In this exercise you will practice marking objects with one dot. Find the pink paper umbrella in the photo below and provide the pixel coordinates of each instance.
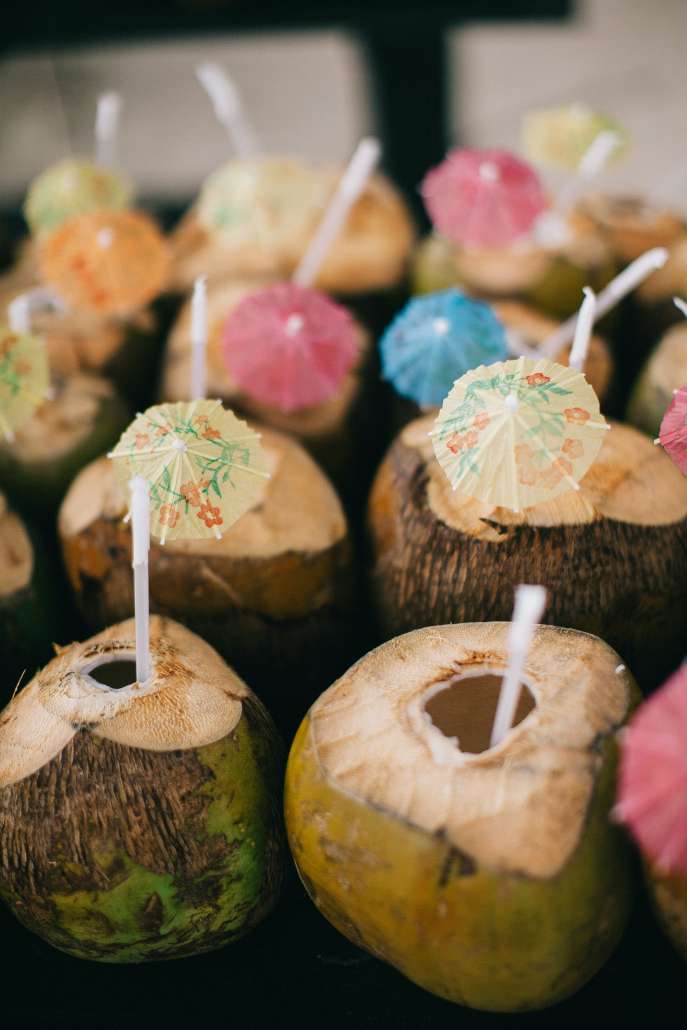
(483, 198)
(673, 432)
(653, 776)
(289, 346)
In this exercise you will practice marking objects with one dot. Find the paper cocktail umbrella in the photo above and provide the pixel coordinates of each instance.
(261, 201)
(436, 339)
(519, 432)
(560, 137)
(106, 262)
(193, 469)
(24, 378)
(72, 187)
(652, 797)
(673, 432)
(483, 198)
(289, 346)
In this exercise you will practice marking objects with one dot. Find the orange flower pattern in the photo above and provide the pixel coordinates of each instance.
(142, 440)
(210, 515)
(537, 379)
(573, 448)
(169, 516)
(577, 416)
(482, 420)
(210, 433)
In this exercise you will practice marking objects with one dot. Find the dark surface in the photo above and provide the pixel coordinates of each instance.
(296, 970)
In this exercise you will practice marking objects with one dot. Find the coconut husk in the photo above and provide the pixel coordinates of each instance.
(139, 823)
(493, 878)
(664, 373)
(613, 555)
(275, 593)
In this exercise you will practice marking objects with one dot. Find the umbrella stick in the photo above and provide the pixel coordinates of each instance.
(583, 330)
(106, 128)
(611, 295)
(140, 529)
(350, 186)
(199, 338)
(226, 101)
(530, 602)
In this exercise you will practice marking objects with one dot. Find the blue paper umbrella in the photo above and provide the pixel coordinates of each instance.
(435, 340)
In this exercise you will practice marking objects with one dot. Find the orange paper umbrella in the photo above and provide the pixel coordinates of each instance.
(107, 262)
(518, 433)
(24, 378)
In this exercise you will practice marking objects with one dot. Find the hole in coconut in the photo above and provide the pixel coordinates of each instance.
(115, 674)
(466, 707)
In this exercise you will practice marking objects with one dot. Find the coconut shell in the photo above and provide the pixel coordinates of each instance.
(613, 555)
(275, 593)
(83, 418)
(332, 432)
(669, 896)
(664, 373)
(139, 823)
(370, 253)
(494, 879)
(628, 224)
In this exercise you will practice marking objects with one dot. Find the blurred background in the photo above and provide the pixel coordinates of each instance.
(309, 92)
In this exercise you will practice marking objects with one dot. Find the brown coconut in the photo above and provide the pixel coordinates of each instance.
(274, 595)
(613, 555)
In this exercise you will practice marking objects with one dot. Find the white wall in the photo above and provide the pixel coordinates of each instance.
(307, 94)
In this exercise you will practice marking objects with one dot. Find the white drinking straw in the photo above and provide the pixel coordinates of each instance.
(140, 531)
(350, 186)
(618, 288)
(583, 330)
(20, 310)
(106, 128)
(199, 338)
(592, 163)
(530, 602)
(681, 305)
(226, 101)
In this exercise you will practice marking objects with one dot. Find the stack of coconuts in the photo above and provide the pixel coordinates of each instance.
(144, 820)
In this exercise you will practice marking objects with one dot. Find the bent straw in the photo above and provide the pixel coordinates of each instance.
(226, 102)
(199, 338)
(583, 330)
(350, 186)
(140, 529)
(611, 295)
(530, 602)
(106, 128)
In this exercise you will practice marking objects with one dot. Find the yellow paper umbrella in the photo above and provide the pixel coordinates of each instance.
(72, 187)
(519, 432)
(24, 378)
(260, 202)
(204, 467)
(559, 137)
(106, 262)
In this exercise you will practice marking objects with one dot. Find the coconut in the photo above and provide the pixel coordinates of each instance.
(613, 554)
(492, 877)
(333, 432)
(142, 822)
(549, 279)
(669, 896)
(629, 224)
(30, 609)
(82, 419)
(276, 592)
(370, 252)
(532, 328)
(664, 372)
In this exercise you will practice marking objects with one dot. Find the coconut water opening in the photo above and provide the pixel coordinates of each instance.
(466, 707)
(116, 673)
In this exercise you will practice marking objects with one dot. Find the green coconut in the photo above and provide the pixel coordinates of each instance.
(492, 877)
(549, 279)
(81, 421)
(669, 896)
(139, 821)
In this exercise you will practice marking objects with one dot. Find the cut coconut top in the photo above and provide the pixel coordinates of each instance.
(298, 510)
(63, 422)
(192, 698)
(630, 481)
(176, 380)
(16, 552)
(669, 280)
(519, 807)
